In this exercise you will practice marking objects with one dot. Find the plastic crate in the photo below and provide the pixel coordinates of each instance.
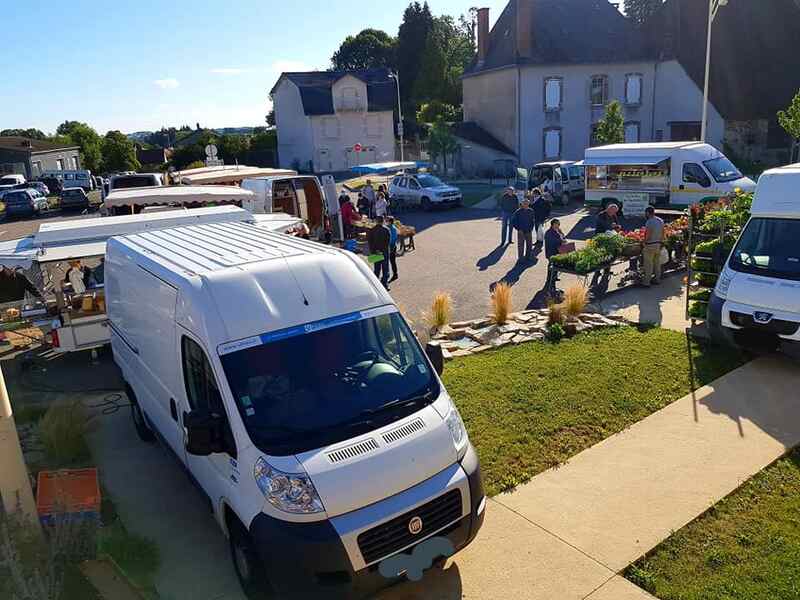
(69, 492)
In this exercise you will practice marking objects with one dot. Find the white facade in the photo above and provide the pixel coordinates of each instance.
(325, 142)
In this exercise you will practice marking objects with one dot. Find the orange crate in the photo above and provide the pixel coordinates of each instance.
(69, 491)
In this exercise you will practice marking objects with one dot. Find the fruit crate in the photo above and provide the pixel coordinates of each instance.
(68, 492)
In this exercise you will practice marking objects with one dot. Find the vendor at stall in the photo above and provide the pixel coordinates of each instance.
(14, 284)
(608, 220)
(78, 276)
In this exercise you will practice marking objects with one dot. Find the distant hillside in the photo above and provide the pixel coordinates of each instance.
(142, 136)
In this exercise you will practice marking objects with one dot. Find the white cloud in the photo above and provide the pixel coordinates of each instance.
(289, 66)
(167, 84)
(229, 71)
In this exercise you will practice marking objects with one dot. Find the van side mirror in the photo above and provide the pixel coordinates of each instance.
(436, 356)
(203, 432)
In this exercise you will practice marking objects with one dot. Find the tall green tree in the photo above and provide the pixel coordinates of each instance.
(412, 41)
(88, 140)
(641, 10)
(32, 133)
(441, 142)
(611, 128)
(119, 154)
(371, 48)
(789, 119)
(436, 110)
(233, 148)
(448, 51)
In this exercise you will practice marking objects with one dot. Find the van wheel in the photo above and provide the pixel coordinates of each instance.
(565, 199)
(139, 422)
(248, 566)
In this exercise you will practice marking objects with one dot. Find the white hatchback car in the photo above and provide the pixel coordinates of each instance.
(423, 190)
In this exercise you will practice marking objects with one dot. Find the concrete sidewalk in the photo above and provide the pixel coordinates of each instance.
(568, 532)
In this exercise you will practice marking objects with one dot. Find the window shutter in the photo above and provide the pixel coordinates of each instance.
(605, 90)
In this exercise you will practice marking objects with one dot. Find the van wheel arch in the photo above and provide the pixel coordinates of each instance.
(139, 418)
(246, 562)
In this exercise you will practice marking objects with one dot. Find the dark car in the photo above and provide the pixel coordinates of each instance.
(74, 199)
(24, 203)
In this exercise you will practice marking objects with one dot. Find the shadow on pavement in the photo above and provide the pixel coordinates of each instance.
(441, 584)
(492, 258)
(424, 220)
(522, 265)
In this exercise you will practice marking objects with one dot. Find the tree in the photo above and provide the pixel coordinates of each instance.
(271, 118)
(32, 133)
(264, 141)
(369, 49)
(412, 39)
(641, 10)
(441, 142)
(432, 77)
(436, 110)
(789, 119)
(119, 153)
(88, 140)
(233, 148)
(611, 128)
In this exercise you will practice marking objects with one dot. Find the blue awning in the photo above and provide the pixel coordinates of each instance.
(647, 161)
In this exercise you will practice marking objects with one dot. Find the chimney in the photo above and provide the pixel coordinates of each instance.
(483, 34)
(524, 28)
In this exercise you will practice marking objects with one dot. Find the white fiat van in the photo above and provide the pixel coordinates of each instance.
(756, 302)
(283, 377)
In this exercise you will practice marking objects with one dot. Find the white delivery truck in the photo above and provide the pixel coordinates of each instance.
(286, 381)
(298, 195)
(664, 174)
(756, 302)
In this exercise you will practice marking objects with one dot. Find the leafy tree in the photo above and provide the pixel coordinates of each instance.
(87, 139)
(32, 133)
(119, 153)
(789, 119)
(611, 128)
(436, 110)
(448, 50)
(432, 78)
(233, 148)
(441, 142)
(271, 118)
(412, 41)
(371, 48)
(641, 10)
(264, 141)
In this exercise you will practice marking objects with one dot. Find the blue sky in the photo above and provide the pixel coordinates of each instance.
(140, 65)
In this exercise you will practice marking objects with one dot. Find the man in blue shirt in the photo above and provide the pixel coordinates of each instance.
(389, 224)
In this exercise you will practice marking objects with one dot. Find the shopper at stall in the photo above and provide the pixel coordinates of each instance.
(78, 276)
(363, 205)
(651, 253)
(608, 220)
(14, 284)
(393, 236)
(523, 221)
(509, 204)
(378, 240)
(553, 240)
(381, 205)
(98, 276)
(541, 209)
(369, 193)
(349, 217)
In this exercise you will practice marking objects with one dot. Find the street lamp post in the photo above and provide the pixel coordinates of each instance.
(396, 78)
(713, 9)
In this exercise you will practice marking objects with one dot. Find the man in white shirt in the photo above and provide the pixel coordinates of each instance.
(651, 254)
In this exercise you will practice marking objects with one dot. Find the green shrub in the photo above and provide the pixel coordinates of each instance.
(555, 332)
(706, 279)
(708, 248)
(697, 310)
(701, 295)
(63, 429)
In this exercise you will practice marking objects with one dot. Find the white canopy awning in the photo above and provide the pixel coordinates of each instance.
(177, 195)
(596, 161)
(18, 253)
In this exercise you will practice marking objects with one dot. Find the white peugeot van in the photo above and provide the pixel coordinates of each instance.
(283, 377)
(756, 302)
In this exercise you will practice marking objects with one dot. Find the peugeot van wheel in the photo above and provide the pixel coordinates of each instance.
(248, 566)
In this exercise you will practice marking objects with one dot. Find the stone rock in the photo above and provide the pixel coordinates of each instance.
(461, 324)
(480, 323)
(481, 349)
(510, 328)
(460, 353)
(484, 336)
(499, 342)
(448, 333)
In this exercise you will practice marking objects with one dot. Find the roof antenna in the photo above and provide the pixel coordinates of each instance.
(299, 287)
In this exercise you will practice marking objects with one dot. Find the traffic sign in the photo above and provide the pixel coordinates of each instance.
(211, 151)
(357, 148)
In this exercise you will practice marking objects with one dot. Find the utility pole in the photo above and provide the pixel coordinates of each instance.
(396, 78)
(713, 9)
(15, 486)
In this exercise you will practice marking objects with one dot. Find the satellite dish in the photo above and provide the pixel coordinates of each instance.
(211, 151)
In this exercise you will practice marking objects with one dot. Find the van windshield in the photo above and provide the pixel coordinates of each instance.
(722, 169)
(322, 383)
(769, 247)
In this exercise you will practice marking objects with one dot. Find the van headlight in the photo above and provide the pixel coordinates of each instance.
(457, 430)
(723, 284)
(289, 492)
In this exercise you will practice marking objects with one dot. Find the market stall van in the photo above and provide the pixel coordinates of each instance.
(756, 302)
(664, 174)
(286, 381)
(298, 195)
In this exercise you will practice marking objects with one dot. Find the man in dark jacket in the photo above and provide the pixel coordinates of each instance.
(523, 221)
(508, 206)
(553, 240)
(607, 220)
(541, 210)
(378, 240)
(14, 284)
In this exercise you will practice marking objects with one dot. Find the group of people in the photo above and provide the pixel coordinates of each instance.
(382, 241)
(372, 204)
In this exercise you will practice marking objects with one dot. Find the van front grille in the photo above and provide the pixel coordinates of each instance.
(395, 435)
(394, 535)
(776, 326)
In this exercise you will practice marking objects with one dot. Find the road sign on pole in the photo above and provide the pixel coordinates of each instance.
(357, 148)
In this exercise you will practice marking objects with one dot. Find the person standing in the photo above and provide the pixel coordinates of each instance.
(363, 205)
(523, 221)
(553, 240)
(541, 210)
(349, 217)
(653, 240)
(378, 239)
(381, 205)
(509, 204)
(369, 194)
(393, 236)
(14, 285)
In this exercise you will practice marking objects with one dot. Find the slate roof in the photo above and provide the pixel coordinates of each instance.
(755, 64)
(564, 31)
(473, 132)
(23, 144)
(317, 95)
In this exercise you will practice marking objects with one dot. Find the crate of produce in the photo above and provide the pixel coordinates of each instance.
(69, 492)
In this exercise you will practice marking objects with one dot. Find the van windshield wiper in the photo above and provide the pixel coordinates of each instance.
(400, 402)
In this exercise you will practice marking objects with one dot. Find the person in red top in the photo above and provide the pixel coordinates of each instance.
(349, 216)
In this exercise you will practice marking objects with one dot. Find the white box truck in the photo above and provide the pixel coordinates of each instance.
(756, 302)
(284, 378)
(664, 174)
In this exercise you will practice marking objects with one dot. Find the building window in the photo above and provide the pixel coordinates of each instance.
(553, 87)
(59, 164)
(37, 167)
(599, 90)
(74, 162)
(552, 142)
(632, 132)
(633, 89)
(684, 131)
(593, 141)
(373, 126)
(330, 127)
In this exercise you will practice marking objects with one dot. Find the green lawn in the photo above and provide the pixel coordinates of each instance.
(533, 406)
(476, 192)
(747, 547)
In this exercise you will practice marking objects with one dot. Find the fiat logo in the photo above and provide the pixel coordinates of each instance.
(415, 526)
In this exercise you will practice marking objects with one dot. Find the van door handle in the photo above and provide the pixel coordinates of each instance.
(173, 409)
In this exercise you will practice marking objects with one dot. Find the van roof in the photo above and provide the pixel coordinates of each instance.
(649, 146)
(776, 193)
(176, 194)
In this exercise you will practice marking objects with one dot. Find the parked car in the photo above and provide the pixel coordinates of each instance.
(24, 203)
(39, 187)
(424, 190)
(8, 182)
(567, 178)
(74, 198)
(53, 184)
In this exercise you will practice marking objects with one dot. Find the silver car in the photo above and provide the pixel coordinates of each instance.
(423, 190)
